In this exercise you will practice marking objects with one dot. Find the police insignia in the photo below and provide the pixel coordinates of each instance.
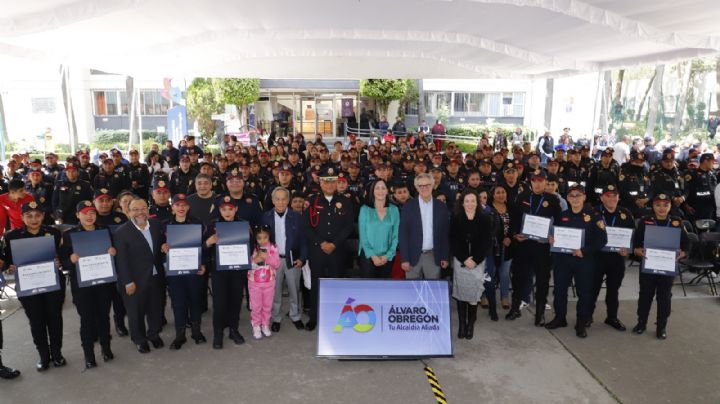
(78, 187)
(48, 234)
(33, 205)
(601, 225)
(248, 200)
(226, 199)
(623, 216)
(117, 219)
(338, 205)
(586, 218)
(460, 180)
(675, 223)
(688, 177)
(622, 177)
(42, 199)
(545, 204)
(116, 176)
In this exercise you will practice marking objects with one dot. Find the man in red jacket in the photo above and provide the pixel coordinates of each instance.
(11, 205)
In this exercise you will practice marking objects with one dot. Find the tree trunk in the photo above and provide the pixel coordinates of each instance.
(644, 98)
(682, 100)
(421, 101)
(67, 102)
(618, 87)
(549, 90)
(654, 100)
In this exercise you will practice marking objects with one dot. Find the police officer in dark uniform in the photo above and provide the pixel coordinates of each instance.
(68, 193)
(633, 184)
(487, 176)
(666, 179)
(51, 168)
(41, 193)
(578, 264)
(328, 224)
(92, 302)
(535, 257)
(138, 175)
(454, 179)
(90, 169)
(44, 310)
(655, 285)
(109, 179)
(701, 189)
(160, 202)
(602, 174)
(248, 207)
(181, 180)
(611, 264)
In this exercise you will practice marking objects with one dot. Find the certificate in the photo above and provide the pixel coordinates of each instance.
(536, 227)
(233, 254)
(567, 239)
(95, 270)
(184, 257)
(37, 278)
(661, 262)
(183, 260)
(617, 238)
(95, 265)
(36, 270)
(233, 246)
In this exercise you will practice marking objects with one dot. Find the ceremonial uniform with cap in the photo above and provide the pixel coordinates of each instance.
(110, 179)
(701, 185)
(138, 177)
(162, 210)
(610, 266)
(92, 302)
(652, 285)
(327, 219)
(55, 170)
(67, 194)
(185, 290)
(533, 256)
(182, 181)
(44, 310)
(42, 193)
(633, 184)
(569, 266)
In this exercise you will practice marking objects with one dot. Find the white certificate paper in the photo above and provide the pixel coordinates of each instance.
(95, 267)
(660, 260)
(537, 227)
(233, 254)
(567, 238)
(37, 276)
(183, 259)
(618, 237)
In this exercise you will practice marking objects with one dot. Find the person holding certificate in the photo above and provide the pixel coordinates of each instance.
(660, 285)
(611, 261)
(533, 256)
(227, 286)
(92, 302)
(579, 232)
(44, 310)
(470, 242)
(185, 290)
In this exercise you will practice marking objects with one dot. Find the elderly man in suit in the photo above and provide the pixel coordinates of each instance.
(139, 264)
(286, 229)
(424, 233)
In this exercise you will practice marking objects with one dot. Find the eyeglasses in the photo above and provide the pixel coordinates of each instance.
(574, 195)
(143, 209)
(424, 185)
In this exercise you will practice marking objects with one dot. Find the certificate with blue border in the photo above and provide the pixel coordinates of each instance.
(233, 246)
(36, 269)
(185, 255)
(661, 245)
(95, 266)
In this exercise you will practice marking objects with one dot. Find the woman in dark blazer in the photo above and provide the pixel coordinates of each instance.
(470, 243)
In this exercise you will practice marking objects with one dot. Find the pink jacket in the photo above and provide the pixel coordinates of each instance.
(265, 272)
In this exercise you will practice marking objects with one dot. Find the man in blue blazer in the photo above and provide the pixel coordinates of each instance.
(424, 233)
(286, 230)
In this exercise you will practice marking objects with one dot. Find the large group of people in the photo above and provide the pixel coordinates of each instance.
(407, 208)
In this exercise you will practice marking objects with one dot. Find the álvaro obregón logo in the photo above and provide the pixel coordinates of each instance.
(349, 317)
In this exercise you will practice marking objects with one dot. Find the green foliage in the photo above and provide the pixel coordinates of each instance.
(202, 103)
(443, 112)
(383, 91)
(478, 130)
(239, 92)
(412, 96)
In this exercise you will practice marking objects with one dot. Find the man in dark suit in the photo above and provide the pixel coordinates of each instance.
(139, 263)
(424, 233)
(286, 229)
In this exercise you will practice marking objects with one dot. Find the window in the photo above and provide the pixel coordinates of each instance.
(433, 100)
(100, 108)
(518, 104)
(470, 104)
(110, 102)
(152, 103)
(42, 105)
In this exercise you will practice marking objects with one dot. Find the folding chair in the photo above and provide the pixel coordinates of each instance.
(6, 286)
(703, 259)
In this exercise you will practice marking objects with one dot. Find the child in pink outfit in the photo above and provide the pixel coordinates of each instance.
(261, 281)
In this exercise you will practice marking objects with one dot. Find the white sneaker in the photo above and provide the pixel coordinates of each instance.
(266, 331)
(256, 332)
(547, 307)
(523, 304)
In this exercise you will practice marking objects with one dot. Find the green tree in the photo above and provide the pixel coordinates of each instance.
(411, 96)
(202, 104)
(383, 91)
(238, 92)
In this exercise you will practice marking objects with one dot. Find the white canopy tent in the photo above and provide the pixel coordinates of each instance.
(358, 38)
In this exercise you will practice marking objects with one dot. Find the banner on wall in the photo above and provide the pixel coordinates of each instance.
(362, 318)
(347, 108)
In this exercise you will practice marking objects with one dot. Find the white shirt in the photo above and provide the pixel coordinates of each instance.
(622, 151)
(426, 216)
(148, 237)
(280, 237)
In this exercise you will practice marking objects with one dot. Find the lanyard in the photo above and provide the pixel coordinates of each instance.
(535, 212)
(615, 215)
(658, 224)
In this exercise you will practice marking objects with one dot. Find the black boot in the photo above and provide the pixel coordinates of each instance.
(492, 310)
(640, 327)
(180, 338)
(539, 313)
(107, 353)
(89, 357)
(580, 328)
(462, 309)
(218, 340)
(6, 372)
(120, 328)
(196, 334)
(472, 316)
(557, 322)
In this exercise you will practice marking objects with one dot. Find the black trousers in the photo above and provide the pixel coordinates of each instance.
(532, 258)
(565, 270)
(44, 311)
(323, 266)
(1, 336)
(611, 268)
(93, 306)
(118, 306)
(185, 296)
(145, 303)
(369, 270)
(651, 286)
(228, 289)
